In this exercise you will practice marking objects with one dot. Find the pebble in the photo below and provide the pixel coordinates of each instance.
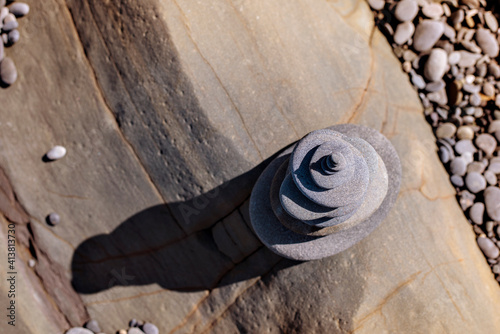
(19, 9)
(491, 178)
(491, 21)
(488, 247)
(31, 263)
(78, 330)
(470, 88)
(444, 155)
(494, 166)
(465, 132)
(476, 213)
(487, 143)
(494, 126)
(475, 100)
(149, 328)
(403, 32)
(427, 33)
(446, 130)
(466, 199)
(417, 80)
(454, 58)
(433, 10)
(122, 331)
(458, 166)
(465, 145)
(468, 59)
(134, 330)
(435, 66)
(8, 71)
(487, 42)
(435, 86)
(488, 89)
(476, 166)
(53, 219)
(492, 202)
(13, 36)
(93, 326)
(457, 180)
(475, 182)
(406, 10)
(56, 153)
(438, 97)
(494, 69)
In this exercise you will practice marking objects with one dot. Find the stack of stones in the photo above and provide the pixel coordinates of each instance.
(135, 327)
(450, 51)
(10, 35)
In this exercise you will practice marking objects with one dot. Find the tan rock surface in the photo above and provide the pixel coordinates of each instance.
(179, 102)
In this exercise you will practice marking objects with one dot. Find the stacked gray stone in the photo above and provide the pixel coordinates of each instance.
(326, 193)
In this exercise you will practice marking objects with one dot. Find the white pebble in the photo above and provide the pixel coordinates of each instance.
(54, 218)
(56, 153)
(31, 263)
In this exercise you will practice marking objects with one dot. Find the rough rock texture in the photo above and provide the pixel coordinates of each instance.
(180, 102)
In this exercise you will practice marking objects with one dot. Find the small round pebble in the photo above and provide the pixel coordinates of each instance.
(488, 247)
(56, 152)
(446, 130)
(19, 9)
(454, 58)
(93, 326)
(406, 10)
(492, 202)
(491, 178)
(458, 166)
(457, 180)
(78, 330)
(465, 132)
(487, 143)
(8, 71)
(435, 66)
(475, 182)
(427, 33)
(464, 146)
(149, 328)
(433, 10)
(403, 32)
(476, 213)
(31, 263)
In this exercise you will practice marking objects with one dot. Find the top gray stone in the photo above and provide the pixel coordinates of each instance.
(492, 202)
(487, 42)
(406, 10)
(427, 34)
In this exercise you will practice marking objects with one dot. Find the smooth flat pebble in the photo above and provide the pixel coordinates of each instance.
(491, 178)
(465, 145)
(8, 26)
(487, 143)
(488, 89)
(454, 58)
(476, 213)
(446, 130)
(433, 10)
(471, 88)
(492, 202)
(53, 219)
(457, 180)
(406, 10)
(93, 325)
(475, 182)
(458, 166)
(427, 33)
(487, 42)
(435, 86)
(475, 100)
(134, 330)
(466, 199)
(8, 71)
(19, 9)
(476, 167)
(494, 126)
(149, 328)
(403, 32)
(376, 4)
(467, 59)
(435, 66)
(440, 97)
(494, 69)
(417, 80)
(494, 165)
(488, 247)
(57, 152)
(491, 21)
(13, 36)
(78, 330)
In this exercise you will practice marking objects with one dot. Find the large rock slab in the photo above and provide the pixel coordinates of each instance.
(168, 110)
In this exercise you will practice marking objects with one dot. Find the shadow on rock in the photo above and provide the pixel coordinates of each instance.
(193, 245)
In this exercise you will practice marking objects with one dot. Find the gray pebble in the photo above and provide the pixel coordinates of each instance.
(13, 36)
(2, 51)
(403, 32)
(93, 326)
(56, 152)
(495, 125)
(450, 33)
(433, 10)
(458, 166)
(494, 69)
(457, 180)
(488, 89)
(417, 80)
(435, 66)
(489, 226)
(53, 219)
(471, 46)
(465, 145)
(440, 97)
(78, 330)
(427, 33)
(491, 178)
(494, 166)
(457, 17)
(487, 42)
(8, 71)
(476, 166)
(454, 58)
(496, 269)
(468, 157)
(406, 10)
(468, 119)
(10, 25)
(444, 155)
(19, 9)
(476, 213)
(149, 328)
(5, 38)
(475, 100)
(487, 143)
(488, 247)
(475, 182)
(435, 86)
(467, 59)
(466, 199)
(492, 202)
(491, 21)
(470, 88)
